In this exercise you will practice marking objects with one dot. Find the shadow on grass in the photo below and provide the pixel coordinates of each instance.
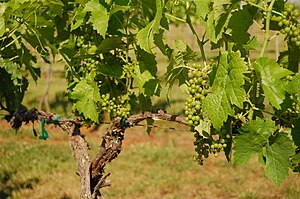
(9, 185)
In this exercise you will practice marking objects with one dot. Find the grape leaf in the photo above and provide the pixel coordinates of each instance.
(239, 32)
(254, 135)
(177, 68)
(56, 6)
(277, 158)
(145, 37)
(295, 83)
(160, 42)
(217, 19)
(147, 83)
(252, 44)
(270, 75)
(202, 7)
(114, 70)
(86, 95)
(99, 16)
(13, 69)
(111, 43)
(78, 18)
(227, 89)
(296, 131)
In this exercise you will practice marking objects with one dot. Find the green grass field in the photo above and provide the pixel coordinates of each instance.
(149, 167)
(159, 166)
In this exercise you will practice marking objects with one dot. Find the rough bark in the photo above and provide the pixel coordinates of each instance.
(92, 174)
(77, 142)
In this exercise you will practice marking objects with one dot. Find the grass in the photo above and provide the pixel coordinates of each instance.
(149, 167)
(28, 167)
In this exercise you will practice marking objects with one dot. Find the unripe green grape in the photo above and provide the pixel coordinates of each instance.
(191, 81)
(193, 103)
(287, 29)
(297, 43)
(280, 23)
(295, 13)
(198, 95)
(224, 145)
(197, 107)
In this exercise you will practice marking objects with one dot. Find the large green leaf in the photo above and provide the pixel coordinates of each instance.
(278, 153)
(227, 89)
(99, 16)
(254, 136)
(270, 75)
(86, 95)
(145, 37)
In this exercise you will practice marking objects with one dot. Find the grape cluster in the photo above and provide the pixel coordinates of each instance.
(201, 147)
(219, 145)
(91, 63)
(119, 106)
(205, 145)
(289, 24)
(81, 42)
(198, 86)
(123, 108)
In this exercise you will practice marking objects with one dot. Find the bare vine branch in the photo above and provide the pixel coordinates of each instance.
(92, 172)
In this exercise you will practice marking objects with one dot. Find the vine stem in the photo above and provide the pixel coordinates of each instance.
(262, 8)
(200, 42)
(267, 33)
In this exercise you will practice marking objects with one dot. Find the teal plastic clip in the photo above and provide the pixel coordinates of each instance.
(45, 134)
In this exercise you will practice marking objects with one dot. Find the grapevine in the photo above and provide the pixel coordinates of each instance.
(237, 103)
(288, 23)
